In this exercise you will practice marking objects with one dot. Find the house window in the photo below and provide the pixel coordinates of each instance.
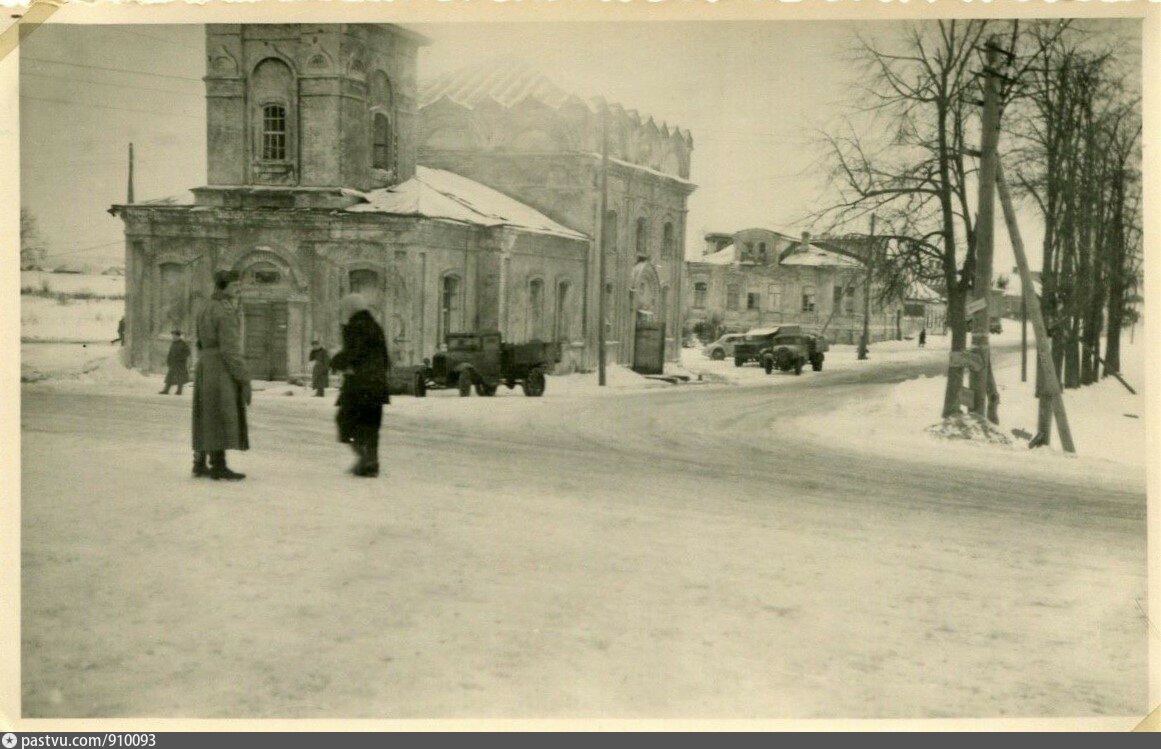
(561, 321)
(667, 240)
(642, 250)
(699, 293)
(732, 291)
(774, 291)
(808, 299)
(381, 144)
(838, 298)
(274, 132)
(752, 301)
(610, 311)
(450, 307)
(749, 251)
(849, 302)
(535, 309)
(762, 252)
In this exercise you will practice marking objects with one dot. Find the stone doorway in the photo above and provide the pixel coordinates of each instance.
(264, 339)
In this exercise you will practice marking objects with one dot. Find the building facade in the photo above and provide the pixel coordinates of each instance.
(313, 192)
(761, 278)
(509, 127)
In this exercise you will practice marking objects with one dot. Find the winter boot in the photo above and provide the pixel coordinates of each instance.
(318, 393)
(371, 453)
(218, 469)
(361, 462)
(165, 391)
(200, 468)
(178, 390)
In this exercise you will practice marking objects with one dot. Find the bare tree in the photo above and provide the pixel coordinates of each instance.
(32, 246)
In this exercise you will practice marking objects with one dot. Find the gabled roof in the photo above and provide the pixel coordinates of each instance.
(439, 194)
(814, 255)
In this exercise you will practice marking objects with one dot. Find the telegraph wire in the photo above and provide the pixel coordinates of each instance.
(111, 69)
(87, 105)
(106, 83)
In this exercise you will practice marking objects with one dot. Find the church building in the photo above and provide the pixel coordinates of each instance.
(313, 191)
(505, 124)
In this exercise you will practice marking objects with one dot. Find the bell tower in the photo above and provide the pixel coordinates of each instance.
(296, 112)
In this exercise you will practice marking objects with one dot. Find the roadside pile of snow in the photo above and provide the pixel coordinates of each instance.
(970, 428)
(76, 363)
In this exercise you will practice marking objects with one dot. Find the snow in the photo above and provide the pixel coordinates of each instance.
(85, 320)
(73, 283)
(816, 256)
(439, 194)
(724, 256)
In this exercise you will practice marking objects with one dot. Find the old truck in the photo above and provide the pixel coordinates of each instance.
(484, 361)
(754, 342)
(792, 350)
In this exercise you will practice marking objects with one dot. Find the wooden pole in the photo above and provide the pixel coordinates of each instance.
(129, 199)
(865, 342)
(984, 236)
(1044, 352)
(602, 302)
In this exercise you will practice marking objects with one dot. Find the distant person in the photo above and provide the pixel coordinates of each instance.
(120, 333)
(221, 383)
(363, 361)
(923, 338)
(177, 364)
(320, 377)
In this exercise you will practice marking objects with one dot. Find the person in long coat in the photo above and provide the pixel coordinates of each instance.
(320, 378)
(177, 364)
(363, 361)
(221, 383)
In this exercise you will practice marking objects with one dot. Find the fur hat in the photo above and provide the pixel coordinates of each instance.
(224, 278)
(350, 304)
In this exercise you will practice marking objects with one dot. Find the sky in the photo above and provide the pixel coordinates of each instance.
(753, 94)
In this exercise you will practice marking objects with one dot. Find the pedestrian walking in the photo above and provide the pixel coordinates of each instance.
(177, 364)
(221, 383)
(320, 377)
(363, 360)
(120, 333)
(923, 338)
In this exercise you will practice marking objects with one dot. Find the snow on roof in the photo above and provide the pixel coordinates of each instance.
(439, 194)
(817, 256)
(921, 292)
(724, 256)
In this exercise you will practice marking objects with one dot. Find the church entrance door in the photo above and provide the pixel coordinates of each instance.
(264, 339)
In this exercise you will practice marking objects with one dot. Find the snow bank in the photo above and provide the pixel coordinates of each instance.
(83, 364)
(73, 283)
(1107, 422)
(82, 320)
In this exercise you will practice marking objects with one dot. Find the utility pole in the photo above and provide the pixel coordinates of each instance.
(866, 339)
(979, 360)
(129, 199)
(1048, 376)
(602, 303)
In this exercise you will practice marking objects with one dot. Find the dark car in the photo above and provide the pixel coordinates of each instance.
(485, 361)
(756, 341)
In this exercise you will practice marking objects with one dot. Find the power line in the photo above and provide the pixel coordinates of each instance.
(88, 105)
(105, 83)
(161, 39)
(111, 69)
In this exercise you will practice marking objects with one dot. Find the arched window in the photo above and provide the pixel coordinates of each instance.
(667, 240)
(535, 309)
(272, 92)
(610, 229)
(450, 307)
(381, 142)
(562, 321)
(381, 102)
(700, 289)
(808, 299)
(642, 250)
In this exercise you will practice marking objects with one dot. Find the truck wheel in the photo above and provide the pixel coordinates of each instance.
(816, 364)
(797, 366)
(465, 384)
(718, 354)
(484, 390)
(768, 364)
(739, 361)
(534, 384)
(420, 385)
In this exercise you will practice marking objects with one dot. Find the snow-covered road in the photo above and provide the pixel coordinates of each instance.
(658, 553)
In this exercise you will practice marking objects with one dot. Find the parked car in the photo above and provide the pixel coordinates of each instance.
(483, 360)
(756, 341)
(792, 351)
(722, 347)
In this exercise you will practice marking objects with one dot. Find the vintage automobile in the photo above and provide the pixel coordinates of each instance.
(791, 351)
(484, 361)
(756, 341)
(407, 380)
(722, 347)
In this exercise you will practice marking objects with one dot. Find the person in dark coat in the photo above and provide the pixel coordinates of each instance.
(363, 361)
(320, 378)
(120, 333)
(177, 364)
(923, 338)
(221, 383)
